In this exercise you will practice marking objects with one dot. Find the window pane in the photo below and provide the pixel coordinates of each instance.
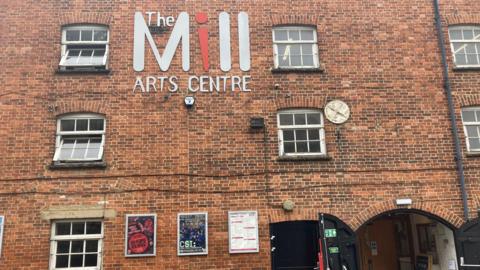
(295, 49)
(307, 35)
(470, 49)
(73, 35)
(460, 59)
(86, 57)
(307, 49)
(283, 55)
(468, 116)
(97, 58)
(300, 119)
(91, 246)
(478, 115)
(286, 119)
(65, 153)
(315, 146)
(76, 261)
(62, 228)
(474, 144)
(86, 35)
(313, 135)
(313, 119)
(472, 59)
(476, 34)
(92, 153)
(100, 35)
(80, 149)
(293, 35)
(63, 246)
(296, 61)
(96, 124)
(281, 35)
(472, 131)
(94, 227)
(78, 228)
(456, 34)
(82, 124)
(62, 261)
(302, 147)
(300, 134)
(307, 60)
(77, 246)
(72, 57)
(289, 147)
(468, 34)
(67, 125)
(288, 135)
(91, 260)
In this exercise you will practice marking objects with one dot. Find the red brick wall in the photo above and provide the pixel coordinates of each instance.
(381, 57)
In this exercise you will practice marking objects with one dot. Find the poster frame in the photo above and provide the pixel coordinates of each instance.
(154, 234)
(205, 214)
(229, 233)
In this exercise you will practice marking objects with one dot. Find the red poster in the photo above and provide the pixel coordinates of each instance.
(140, 239)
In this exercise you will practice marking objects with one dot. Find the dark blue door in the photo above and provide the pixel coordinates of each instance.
(294, 245)
(468, 245)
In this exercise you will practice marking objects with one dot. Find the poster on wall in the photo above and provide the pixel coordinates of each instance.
(192, 234)
(2, 221)
(243, 231)
(140, 235)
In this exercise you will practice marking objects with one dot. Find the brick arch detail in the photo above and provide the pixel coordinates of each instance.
(458, 19)
(84, 18)
(80, 106)
(300, 102)
(309, 19)
(469, 100)
(428, 207)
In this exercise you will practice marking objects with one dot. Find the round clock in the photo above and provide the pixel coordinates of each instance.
(337, 111)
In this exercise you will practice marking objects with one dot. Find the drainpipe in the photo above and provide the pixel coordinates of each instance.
(451, 109)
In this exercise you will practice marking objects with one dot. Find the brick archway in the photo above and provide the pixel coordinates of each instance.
(423, 207)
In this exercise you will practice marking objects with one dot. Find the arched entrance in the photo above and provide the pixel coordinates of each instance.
(407, 239)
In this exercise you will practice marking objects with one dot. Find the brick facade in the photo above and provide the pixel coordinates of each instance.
(381, 57)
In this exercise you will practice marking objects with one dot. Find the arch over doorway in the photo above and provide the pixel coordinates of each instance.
(433, 210)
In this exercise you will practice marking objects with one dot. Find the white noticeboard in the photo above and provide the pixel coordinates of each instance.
(243, 231)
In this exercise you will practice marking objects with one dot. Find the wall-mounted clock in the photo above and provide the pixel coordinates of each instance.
(337, 111)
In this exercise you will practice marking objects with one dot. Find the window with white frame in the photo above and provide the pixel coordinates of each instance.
(465, 43)
(471, 126)
(301, 132)
(76, 244)
(80, 137)
(295, 47)
(84, 46)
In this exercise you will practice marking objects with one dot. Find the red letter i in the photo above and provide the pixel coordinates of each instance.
(202, 18)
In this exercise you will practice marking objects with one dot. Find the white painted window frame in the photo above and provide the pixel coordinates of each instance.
(320, 127)
(79, 134)
(87, 44)
(313, 42)
(464, 41)
(469, 123)
(54, 239)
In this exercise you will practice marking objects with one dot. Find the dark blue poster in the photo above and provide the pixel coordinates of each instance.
(192, 234)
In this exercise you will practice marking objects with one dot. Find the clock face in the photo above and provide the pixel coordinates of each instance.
(337, 111)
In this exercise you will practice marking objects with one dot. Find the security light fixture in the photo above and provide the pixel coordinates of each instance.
(189, 101)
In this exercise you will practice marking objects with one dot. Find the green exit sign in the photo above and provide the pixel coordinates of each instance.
(333, 250)
(329, 233)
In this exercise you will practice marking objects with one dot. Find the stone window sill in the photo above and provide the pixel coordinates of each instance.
(83, 71)
(473, 154)
(460, 69)
(56, 165)
(304, 158)
(298, 70)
